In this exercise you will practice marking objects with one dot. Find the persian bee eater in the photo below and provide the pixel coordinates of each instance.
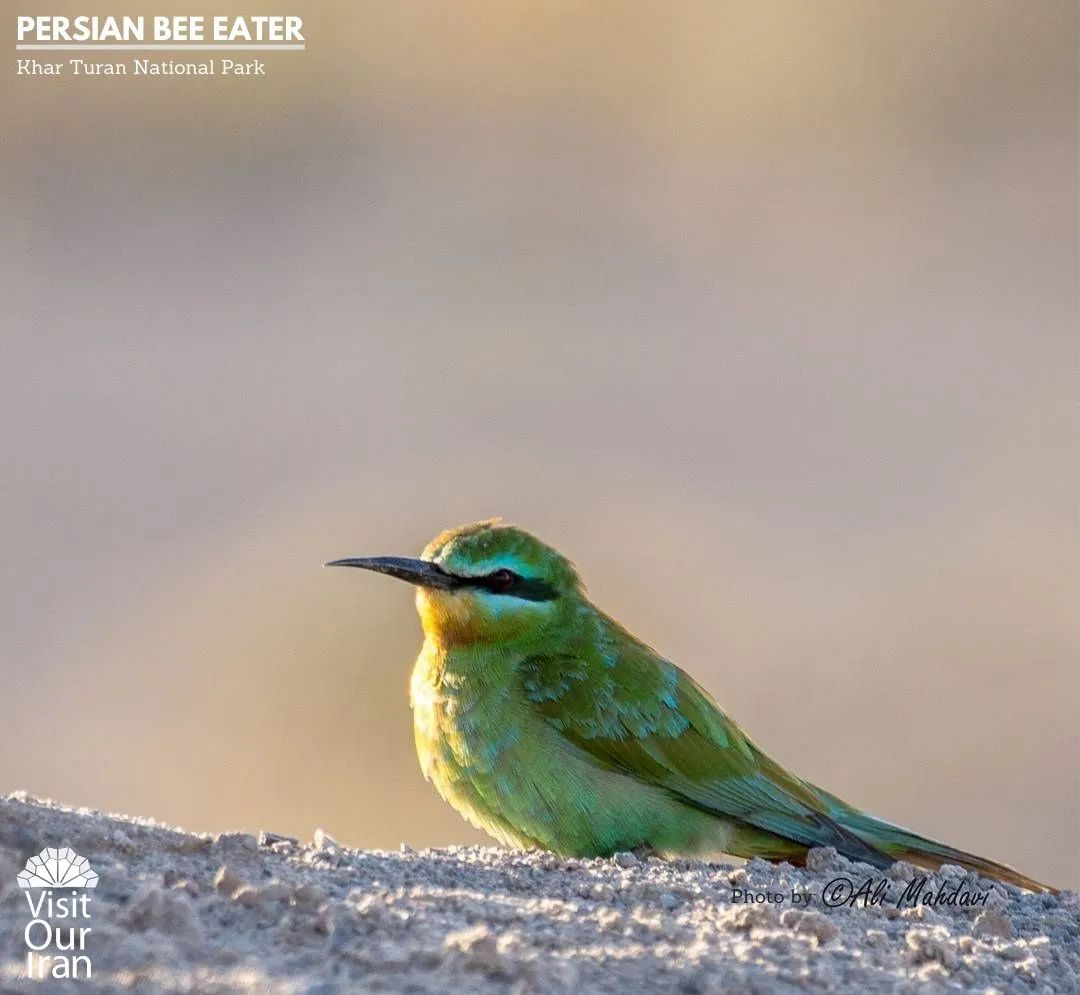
(547, 724)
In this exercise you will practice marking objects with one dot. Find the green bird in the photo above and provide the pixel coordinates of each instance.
(546, 723)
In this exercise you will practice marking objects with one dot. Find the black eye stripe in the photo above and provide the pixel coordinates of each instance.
(526, 588)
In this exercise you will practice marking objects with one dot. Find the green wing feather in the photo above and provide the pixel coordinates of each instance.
(636, 713)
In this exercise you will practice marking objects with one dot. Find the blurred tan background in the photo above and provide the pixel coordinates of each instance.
(766, 313)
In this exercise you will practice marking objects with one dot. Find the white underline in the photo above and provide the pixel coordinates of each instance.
(160, 48)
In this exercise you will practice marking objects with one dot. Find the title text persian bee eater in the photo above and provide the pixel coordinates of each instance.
(546, 723)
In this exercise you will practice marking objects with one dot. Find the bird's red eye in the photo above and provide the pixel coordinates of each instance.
(501, 580)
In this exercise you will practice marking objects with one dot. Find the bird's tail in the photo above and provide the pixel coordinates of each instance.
(901, 844)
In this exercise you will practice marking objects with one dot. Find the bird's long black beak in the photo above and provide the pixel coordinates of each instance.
(419, 572)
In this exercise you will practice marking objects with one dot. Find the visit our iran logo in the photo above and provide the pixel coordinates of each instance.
(55, 946)
(53, 868)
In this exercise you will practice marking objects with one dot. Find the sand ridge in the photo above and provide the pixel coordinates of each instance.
(181, 912)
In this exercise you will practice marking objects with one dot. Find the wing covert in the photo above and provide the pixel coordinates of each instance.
(639, 714)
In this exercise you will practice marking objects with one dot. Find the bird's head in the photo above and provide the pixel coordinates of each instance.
(484, 583)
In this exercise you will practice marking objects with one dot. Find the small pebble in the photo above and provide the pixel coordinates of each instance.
(276, 891)
(240, 841)
(247, 895)
(322, 840)
(902, 871)
(931, 944)
(993, 923)
(822, 858)
(267, 838)
(309, 895)
(876, 938)
(738, 917)
(479, 951)
(226, 882)
(168, 912)
(812, 924)
(1014, 951)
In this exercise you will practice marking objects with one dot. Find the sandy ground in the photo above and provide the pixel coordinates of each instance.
(174, 911)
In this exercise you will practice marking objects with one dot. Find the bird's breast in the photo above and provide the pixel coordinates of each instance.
(470, 741)
(463, 724)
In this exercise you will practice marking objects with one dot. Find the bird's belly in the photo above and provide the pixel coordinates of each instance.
(511, 774)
